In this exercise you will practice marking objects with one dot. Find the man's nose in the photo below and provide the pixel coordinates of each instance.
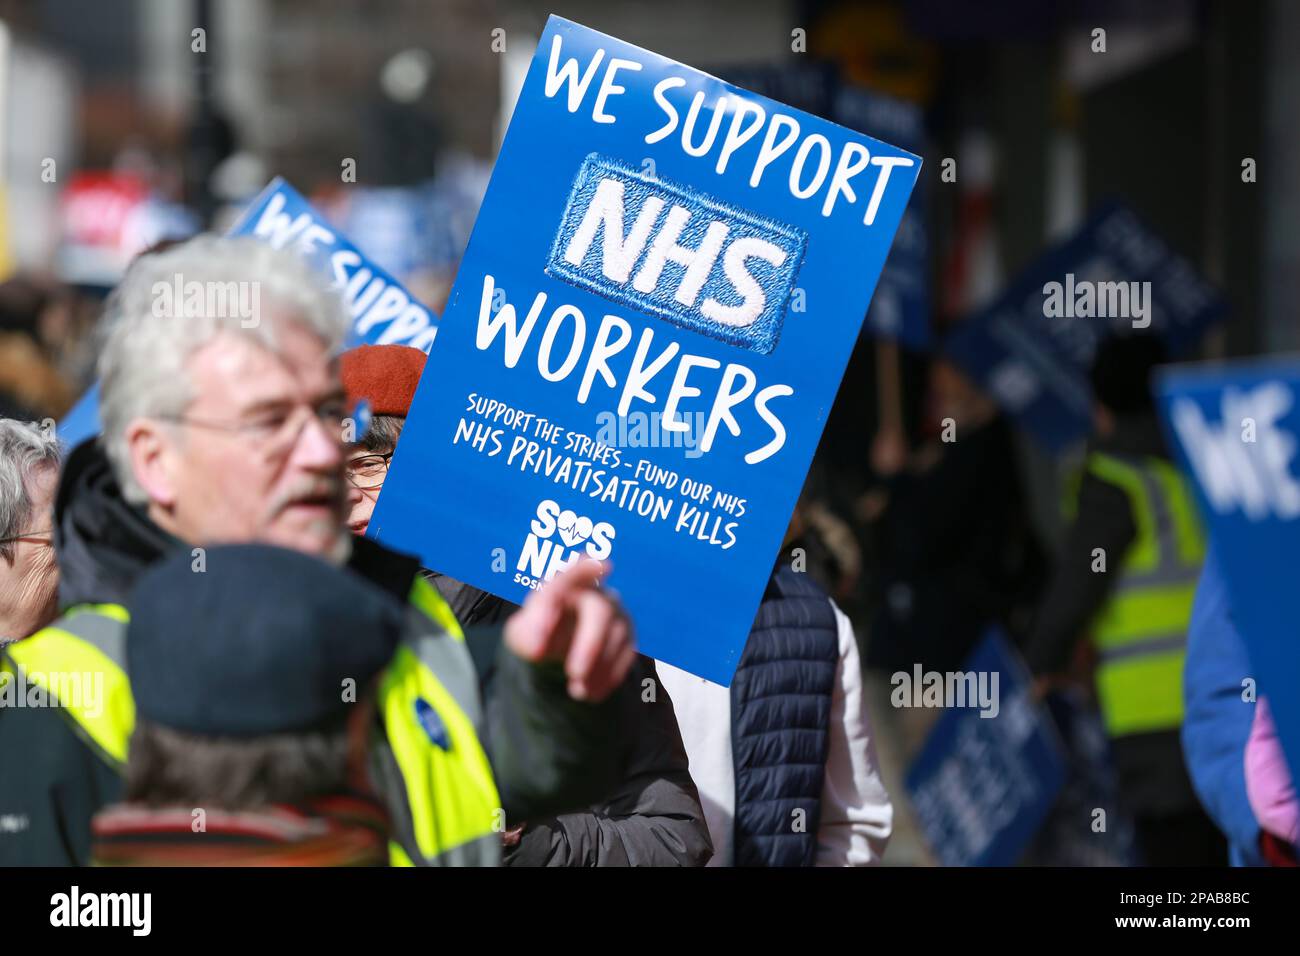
(319, 448)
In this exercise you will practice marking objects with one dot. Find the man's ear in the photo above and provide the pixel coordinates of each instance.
(150, 450)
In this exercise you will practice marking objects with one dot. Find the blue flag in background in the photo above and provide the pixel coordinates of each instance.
(382, 310)
(1032, 347)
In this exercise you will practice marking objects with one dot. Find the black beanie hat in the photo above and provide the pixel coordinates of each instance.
(259, 641)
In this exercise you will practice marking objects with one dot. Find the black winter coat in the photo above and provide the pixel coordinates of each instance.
(652, 815)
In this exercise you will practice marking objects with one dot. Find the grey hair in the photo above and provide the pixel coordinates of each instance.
(148, 337)
(381, 437)
(167, 766)
(25, 448)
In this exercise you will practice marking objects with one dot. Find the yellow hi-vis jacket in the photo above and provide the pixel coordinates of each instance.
(1141, 633)
(427, 762)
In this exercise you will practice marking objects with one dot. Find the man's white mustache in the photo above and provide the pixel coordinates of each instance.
(309, 488)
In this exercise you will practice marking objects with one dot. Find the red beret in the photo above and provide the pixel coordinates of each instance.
(384, 375)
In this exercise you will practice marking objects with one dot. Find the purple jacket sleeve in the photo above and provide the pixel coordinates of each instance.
(1268, 780)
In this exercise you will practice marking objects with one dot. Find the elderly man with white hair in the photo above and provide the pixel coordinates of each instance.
(224, 422)
(29, 575)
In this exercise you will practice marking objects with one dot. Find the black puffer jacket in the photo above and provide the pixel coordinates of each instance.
(652, 816)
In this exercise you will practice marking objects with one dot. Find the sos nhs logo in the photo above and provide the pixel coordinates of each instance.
(674, 253)
(557, 538)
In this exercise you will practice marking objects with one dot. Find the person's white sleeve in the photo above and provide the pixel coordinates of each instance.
(856, 814)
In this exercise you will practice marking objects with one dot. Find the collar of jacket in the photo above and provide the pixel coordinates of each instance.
(103, 543)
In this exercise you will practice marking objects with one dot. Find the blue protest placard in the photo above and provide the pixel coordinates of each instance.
(646, 333)
(1236, 430)
(81, 421)
(1090, 785)
(1032, 347)
(992, 767)
(383, 312)
(900, 308)
(391, 223)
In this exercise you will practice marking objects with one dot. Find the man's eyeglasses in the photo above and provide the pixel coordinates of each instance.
(276, 432)
(369, 471)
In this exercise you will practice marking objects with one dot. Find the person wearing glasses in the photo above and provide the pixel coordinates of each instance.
(225, 424)
(29, 575)
(652, 815)
(384, 377)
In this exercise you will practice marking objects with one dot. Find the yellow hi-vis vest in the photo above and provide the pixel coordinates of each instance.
(1141, 633)
(428, 762)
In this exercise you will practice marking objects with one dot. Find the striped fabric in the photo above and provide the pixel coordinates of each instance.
(329, 831)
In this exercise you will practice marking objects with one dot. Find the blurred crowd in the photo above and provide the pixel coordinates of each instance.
(204, 659)
(203, 644)
(202, 639)
(45, 346)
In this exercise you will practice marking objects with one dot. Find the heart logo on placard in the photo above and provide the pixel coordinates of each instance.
(573, 529)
